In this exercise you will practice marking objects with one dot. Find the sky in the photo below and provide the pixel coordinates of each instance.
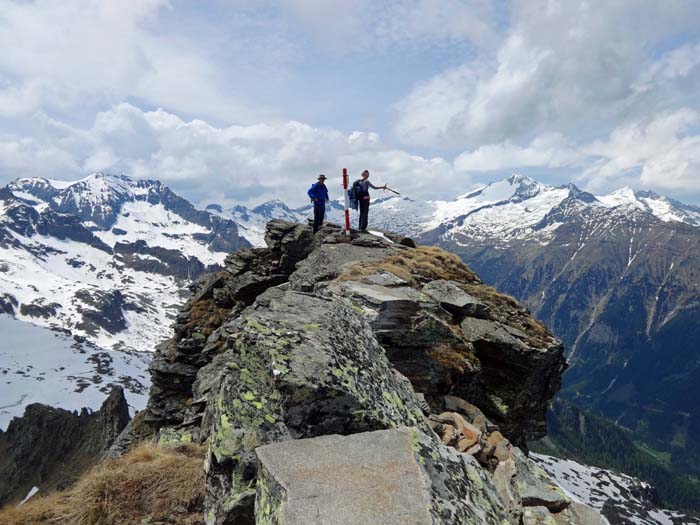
(242, 101)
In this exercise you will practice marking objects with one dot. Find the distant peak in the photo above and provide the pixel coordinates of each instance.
(516, 178)
(625, 190)
(579, 194)
(269, 205)
(649, 194)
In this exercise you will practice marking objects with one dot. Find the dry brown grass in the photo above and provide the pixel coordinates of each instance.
(427, 263)
(417, 266)
(458, 359)
(150, 481)
(493, 297)
(206, 316)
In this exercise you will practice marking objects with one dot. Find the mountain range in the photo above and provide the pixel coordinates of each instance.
(615, 276)
(104, 260)
(504, 211)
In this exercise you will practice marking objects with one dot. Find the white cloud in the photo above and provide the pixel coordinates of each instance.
(549, 150)
(605, 88)
(662, 152)
(62, 55)
(241, 163)
(570, 67)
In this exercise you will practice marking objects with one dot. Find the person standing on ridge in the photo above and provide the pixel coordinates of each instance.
(363, 198)
(318, 193)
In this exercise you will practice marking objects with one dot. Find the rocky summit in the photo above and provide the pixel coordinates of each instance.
(360, 380)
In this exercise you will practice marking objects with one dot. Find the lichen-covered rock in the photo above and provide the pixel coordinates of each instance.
(522, 484)
(388, 476)
(215, 299)
(319, 335)
(520, 377)
(538, 516)
(461, 491)
(455, 300)
(294, 366)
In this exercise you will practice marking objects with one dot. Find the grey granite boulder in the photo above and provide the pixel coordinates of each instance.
(293, 366)
(371, 477)
(329, 260)
(455, 300)
(520, 377)
(579, 514)
(390, 477)
(522, 484)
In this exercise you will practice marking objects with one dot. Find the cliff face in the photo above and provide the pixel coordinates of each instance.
(314, 336)
(50, 447)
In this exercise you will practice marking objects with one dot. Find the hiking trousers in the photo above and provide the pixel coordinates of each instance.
(319, 214)
(364, 213)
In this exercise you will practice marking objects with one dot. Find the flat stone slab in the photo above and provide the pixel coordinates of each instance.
(579, 514)
(376, 295)
(383, 278)
(482, 329)
(372, 477)
(455, 300)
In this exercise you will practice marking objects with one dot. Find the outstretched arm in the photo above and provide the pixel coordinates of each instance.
(376, 187)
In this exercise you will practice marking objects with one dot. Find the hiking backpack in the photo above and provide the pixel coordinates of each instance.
(355, 194)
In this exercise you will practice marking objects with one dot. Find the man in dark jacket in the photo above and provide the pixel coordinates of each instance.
(318, 193)
(365, 185)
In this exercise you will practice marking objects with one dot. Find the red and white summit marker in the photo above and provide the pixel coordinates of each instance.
(347, 202)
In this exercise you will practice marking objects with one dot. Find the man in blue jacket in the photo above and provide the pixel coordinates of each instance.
(318, 193)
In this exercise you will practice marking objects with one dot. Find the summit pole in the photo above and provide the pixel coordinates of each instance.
(347, 203)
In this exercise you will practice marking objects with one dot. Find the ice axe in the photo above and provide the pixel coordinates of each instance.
(392, 191)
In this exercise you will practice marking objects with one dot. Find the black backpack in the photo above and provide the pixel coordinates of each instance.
(356, 192)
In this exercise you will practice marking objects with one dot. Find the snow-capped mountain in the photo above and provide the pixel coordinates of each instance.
(620, 498)
(252, 222)
(516, 208)
(104, 258)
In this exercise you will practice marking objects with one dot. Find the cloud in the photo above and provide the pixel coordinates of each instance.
(662, 152)
(234, 163)
(62, 55)
(549, 150)
(605, 89)
(564, 67)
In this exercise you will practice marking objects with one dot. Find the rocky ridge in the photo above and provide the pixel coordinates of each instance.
(295, 345)
(48, 448)
(614, 276)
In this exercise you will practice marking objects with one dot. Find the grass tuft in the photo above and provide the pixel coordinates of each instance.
(416, 266)
(149, 482)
